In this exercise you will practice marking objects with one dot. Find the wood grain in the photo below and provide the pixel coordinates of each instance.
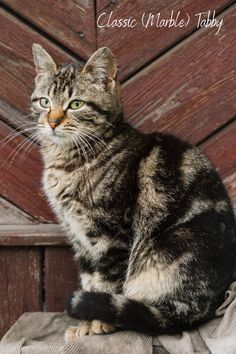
(190, 91)
(141, 45)
(221, 149)
(20, 279)
(61, 277)
(20, 180)
(70, 22)
(10, 214)
(32, 235)
(16, 66)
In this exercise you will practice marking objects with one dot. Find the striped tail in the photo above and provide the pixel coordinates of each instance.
(121, 312)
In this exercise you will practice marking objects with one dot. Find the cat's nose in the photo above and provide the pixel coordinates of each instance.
(53, 125)
(55, 118)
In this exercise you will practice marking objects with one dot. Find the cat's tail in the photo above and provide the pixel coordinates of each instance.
(122, 312)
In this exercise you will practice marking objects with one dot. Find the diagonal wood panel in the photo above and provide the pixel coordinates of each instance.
(20, 181)
(16, 64)
(10, 215)
(70, 22)
(190, 91)
(135, 47)
(221, 149)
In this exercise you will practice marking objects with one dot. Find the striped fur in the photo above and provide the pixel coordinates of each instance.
(147, 215)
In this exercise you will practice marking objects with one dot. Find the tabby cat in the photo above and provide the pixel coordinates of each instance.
(150, 222)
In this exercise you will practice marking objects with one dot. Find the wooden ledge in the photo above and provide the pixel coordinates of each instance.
(32, 235)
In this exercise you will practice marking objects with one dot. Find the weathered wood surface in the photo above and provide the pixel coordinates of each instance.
(141, 45)
(70, 22)
(10, 214)
(20, 181)
(61, 277)
(221, 149)
(20, 282)
(32, 235)
(16, 64)
(190, 91)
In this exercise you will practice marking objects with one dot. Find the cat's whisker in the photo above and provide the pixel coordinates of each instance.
(87, 136)
(96, 142)
(18, 149)
(28, 115)
(76, 144)
(86, 142)
(32, 144)
(83, 141)
(93, 133)
(32, 141)
(12, 136)
(16, 130)
(96, 136)
(78, 139)
(108, 123)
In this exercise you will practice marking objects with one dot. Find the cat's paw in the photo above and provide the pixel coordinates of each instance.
(99, 327)
(88, 328)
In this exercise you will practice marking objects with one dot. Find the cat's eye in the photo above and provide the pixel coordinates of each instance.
(45, 102)
(76, 104)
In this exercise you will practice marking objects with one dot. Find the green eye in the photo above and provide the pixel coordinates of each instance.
(76, 104)
(45, 102)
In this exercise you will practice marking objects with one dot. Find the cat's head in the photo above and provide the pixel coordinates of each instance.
(75, 103)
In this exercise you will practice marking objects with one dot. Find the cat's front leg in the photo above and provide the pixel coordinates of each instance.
(107, 276)
(89, 282)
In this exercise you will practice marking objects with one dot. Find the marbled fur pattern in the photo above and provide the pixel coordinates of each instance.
(147, 215)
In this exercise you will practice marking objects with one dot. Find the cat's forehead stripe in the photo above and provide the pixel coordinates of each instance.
(64, 79)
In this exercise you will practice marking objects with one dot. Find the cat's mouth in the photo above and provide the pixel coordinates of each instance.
(55, 135)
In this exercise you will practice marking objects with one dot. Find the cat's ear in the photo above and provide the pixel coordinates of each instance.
(102, 65)
(44, 64)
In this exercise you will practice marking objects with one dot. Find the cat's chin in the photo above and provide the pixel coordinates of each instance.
(57, 138)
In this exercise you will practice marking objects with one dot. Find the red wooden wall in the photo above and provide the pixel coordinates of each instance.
(178, 80)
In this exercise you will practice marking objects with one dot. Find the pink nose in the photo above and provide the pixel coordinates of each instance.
(55, 118)
(53, 124)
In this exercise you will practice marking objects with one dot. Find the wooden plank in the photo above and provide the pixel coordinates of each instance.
(32, 235)
(10, 214)
(70, 22)
(190, 91)
(141, 45)
(60, 277)
(14, 117)
(16, 65)
(20, 279)
(221, 149)
(20, 181)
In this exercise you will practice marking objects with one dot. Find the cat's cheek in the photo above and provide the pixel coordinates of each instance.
(43, 117)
